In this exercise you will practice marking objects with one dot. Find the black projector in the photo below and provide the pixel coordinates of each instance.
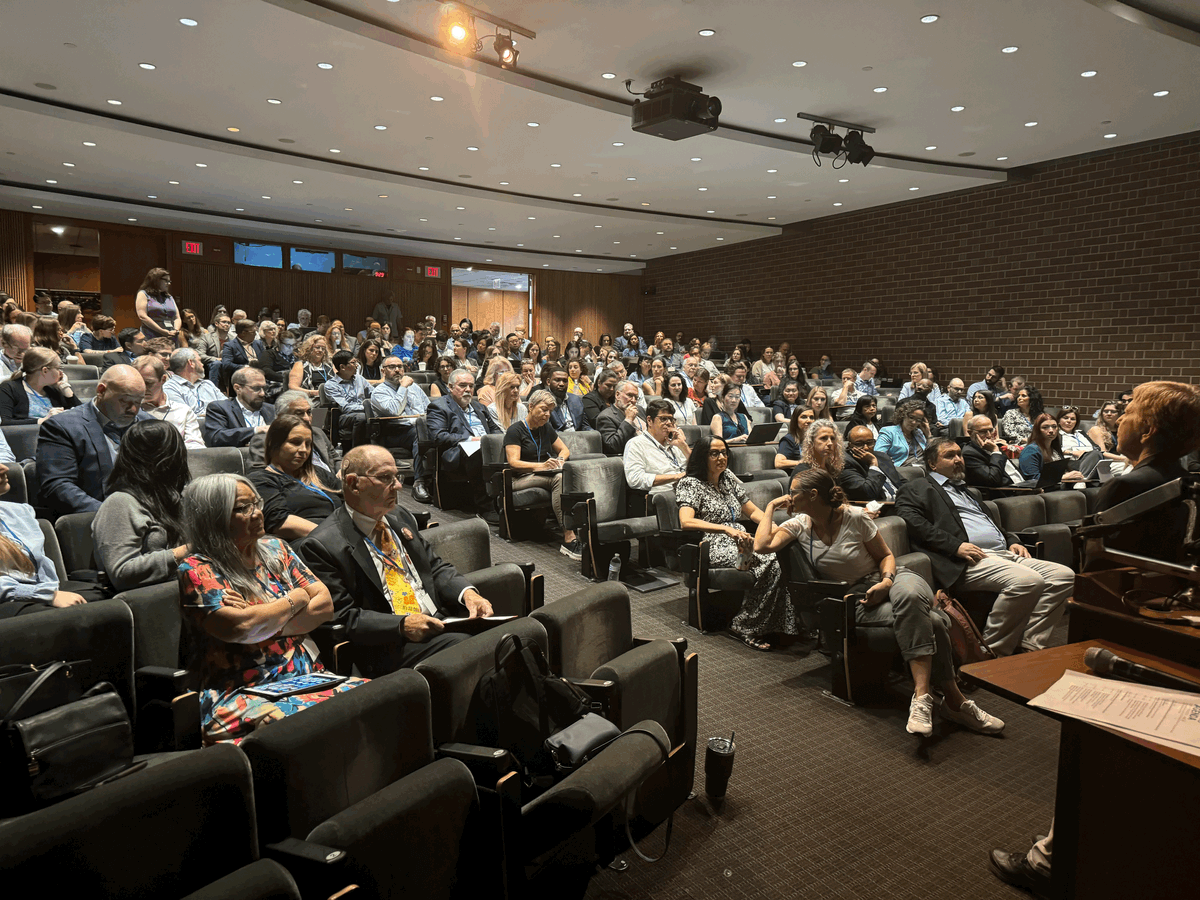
(674, 109)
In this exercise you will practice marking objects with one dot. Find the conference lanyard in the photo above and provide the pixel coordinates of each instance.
(20, 543)
(678, 466)
(308, 487)
(537, 444)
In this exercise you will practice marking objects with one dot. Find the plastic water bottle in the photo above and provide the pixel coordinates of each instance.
(614, 568)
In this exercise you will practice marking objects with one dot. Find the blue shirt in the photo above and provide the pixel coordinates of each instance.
(476, 426)
(948, 409)
(907, 391)
(19, 524)
(399, 401)
(866, 387)
(892, 441)
(981, 530)
(347, 394)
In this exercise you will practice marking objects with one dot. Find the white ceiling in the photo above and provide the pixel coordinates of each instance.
(220, 74)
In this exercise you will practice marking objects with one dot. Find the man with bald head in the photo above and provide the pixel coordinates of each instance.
(986, 464)
(390, 588)
(867, 475)
(952, 404)
(76, 449)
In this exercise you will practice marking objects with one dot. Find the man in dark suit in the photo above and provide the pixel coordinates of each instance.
(967, 551)
(986, 466)
(390, 589)
(600, 397)
(324, 454)
(76, 448)
(133, 345)
(568, 415)
(621, 422)
(457, 418)
(867, 475)
(232, 423)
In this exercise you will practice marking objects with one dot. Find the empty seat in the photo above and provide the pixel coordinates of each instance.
(214, 461)
(76, 372)
(85, 389)
(583, 444)
(756, 462)
(22, 439)
(75, 540)
(597, 489)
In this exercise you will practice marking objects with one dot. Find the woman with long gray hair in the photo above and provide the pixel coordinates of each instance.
(249, 603)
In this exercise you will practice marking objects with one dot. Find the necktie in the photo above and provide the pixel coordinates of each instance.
(114, 433)
(404, 599)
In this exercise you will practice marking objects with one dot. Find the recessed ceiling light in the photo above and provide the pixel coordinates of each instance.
(318, 220)
(1156, 94)
(520, 245)
(324, 65)
(843, 180)
(240, 209)
(131, 220)
(880, 90)
(644, 203)
(201, 165)
(545, 265)
(702, 189)
(710, 211)
(532, 124)
(190, 23)
(780, 120)
(381, 128)
(706, 32)
(616, 242)
(631, 178)
(51, 181)
(578, 251)
(772, 171)
(914, 188)
(555, 165)
(297, 182)
(720, 239)
(487, 260)
(1001, 158)
(69, 165)
(1111, 135)
(233, 129)
(928, 20)
(152, 196)
(931, 147)
(1030, 124)
(618, 143)
(532, 218)
(957, 108)
(89, 143)
(349, 208)
(424, 220)
(273, 101)
(458, 239)
(577, 195)
(422, 168)
(460, 207)
(1088, 74)
(1009, 49)
(771, 197)
(674, 248)
(383, 196)
(172, 182)
(504, 183)
(334, 150)
(37, 207)
(696, 159)
(609, 75)
(266, 196)
(597, 226)
(837, 204)
(114, 102)
(799, 64)
(147, 66)
(472, 148)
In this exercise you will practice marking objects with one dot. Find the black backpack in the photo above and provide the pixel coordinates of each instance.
(521, 703)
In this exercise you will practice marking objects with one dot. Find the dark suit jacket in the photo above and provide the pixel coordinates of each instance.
(225, 424)
(448, 425)
(337, 553)
(14, 402)
(578, 419)
(1158, 534)
(234, 354)
(862, 483)
(985, 469)
(115, 358)
(615, 432)
(593, 405)
(935, 526)
(73, 461)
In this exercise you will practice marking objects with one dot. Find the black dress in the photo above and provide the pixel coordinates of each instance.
(285, 496)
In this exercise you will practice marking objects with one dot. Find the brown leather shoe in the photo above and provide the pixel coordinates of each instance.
(1012, 867)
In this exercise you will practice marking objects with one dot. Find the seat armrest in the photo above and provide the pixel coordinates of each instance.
(422, 519)
(487, 764)
(319, 871)
(328, 635)
(505, 586)
(161, 683)
(601, 692)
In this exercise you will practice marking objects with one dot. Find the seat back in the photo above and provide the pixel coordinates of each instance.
(760, 493)
(894, 533)
(581, 442)
(157, 624)
(587, 629)
(93, 358)
(751, 460)
(74, 532)
(1021, 512)
(22, 439)
(466, 545)
(604, 479)
(666, 509)
(954, 429)
(310, 767)
(692, 433)
(18, 491)
(147, 835)
(454, 674)
(760, 415)
(910, 473)
(76, 372)
(215, 460)
(885, 406)
(1064, 506)
(85, 388)
(52, 550)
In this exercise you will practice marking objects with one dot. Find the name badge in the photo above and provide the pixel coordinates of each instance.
(408, 535)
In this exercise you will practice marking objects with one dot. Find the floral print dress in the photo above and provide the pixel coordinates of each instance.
(227, 713)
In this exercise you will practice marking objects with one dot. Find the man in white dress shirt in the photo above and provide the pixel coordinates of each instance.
(154, 373)
(656, 458)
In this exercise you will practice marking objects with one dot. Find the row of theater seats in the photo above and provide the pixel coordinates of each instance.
(395, 763)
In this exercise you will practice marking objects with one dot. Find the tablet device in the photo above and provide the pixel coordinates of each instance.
(1052, 472)
(763, 433)
(300, 684)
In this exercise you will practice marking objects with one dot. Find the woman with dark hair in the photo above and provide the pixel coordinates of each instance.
(248, 603)
(652, 387)
(49, 334)
(70, 318)
(676, 393)
(728, 423)
(604, 341)
(425, 358)
(578, 382)
(1074, 443)
(843, 544)
(866, 414)
(787, 454)
(36, 391)
(552, 353)
(735, 356)
(642, 372)
(712, 500)
(789, 399)
(369, 355)
(1017, 424)
(983, 403)
(138, 529)
(795, 372)
(461, 356)
(699, 389)
(466, 327)
(190, 329)
(1044, 446)
(385, 337)
(101, 338)
(904, 440)
(441, 385)
(297, 496)
(156, 307)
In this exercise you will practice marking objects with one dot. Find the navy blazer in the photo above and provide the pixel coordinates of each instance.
(14, 402)
(575, 407)
(861, 483)
(337, 554)
(448, 425)
(225, 424)
(73, 461)
(234, 354)
(116, 357)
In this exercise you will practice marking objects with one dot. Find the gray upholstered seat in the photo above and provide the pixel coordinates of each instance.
(467, 546)
(758, 461)
(215, 460)
(597, 488)
(22, 439)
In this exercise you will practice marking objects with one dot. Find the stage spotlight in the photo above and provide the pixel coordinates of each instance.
(506, 52)
(825, 141)
(457, 29)
(858, 150)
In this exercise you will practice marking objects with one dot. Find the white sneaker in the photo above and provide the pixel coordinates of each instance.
(971, 716)
(920, 715)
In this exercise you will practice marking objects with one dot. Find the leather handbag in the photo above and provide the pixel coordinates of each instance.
(65, 684)
(577, 743)
(966, 640)
(49, 752)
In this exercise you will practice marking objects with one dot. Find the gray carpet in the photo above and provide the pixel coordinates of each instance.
(825, 800)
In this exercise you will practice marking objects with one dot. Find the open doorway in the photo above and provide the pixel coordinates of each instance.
(485, 296)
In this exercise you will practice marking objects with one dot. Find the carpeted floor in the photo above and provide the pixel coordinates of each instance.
(825, 800)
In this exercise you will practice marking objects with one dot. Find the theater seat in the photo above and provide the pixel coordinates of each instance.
(754, 463)
(512, 589)
(22, 439)
(215, 461)
(597, 497)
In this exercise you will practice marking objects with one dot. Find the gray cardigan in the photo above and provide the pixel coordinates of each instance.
(130, 547)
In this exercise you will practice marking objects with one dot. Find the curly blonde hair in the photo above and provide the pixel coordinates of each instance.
(304, 353)
(834, 462)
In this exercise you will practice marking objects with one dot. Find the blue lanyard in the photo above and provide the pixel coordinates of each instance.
(536, 442)
(667, 453)
(20, 543)
(308, 487)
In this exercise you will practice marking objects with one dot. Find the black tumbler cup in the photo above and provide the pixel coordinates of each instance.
(718, 765)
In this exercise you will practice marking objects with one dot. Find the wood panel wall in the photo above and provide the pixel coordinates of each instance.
(126, 255)
(16, 257)
(596, 303)
(64, 272)
(483, 306)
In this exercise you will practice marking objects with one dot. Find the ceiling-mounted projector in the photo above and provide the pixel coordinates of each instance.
(674, 109)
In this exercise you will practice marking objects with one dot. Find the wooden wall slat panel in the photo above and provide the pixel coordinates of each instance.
(16, 257)
(483, 306)
(596, 303)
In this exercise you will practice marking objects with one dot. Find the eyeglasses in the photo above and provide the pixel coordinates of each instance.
(385, 477)
(666, 417)
(985, 431)
(718, 454)
(248, 509)
(870, 443)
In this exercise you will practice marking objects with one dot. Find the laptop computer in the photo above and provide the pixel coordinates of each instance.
(1052, 473)
(763, 433)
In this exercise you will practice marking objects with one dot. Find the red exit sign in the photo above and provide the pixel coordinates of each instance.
(433, 271)
(193, 248)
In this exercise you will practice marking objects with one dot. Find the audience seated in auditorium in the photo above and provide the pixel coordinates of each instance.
(138, 529)
(729, 424)
(985, 465)
(187, 385)
(37, 391)
(652, 384)
(390, 588)
(905, 441)
(49, 333)
(15, 341)
(621, 422)
(534, 447)
(232, 423)
(297, 495)
(76, 448)
(983, 404)
(748, 395)
(1007, 399)
(211, 344)
(865, 383)
(658, 456)
(312, 367)
(101, 338)
(968, 552)
(1044, 446)
(161, 407)
(248, 603)
(866, 413)
(789, 399)
(629, 340)
(601, 396)
(952, 404)
(133, 345)
(508, 407)
(787, 453)
(1104, 435)
(1075, 443)
(457, 418)
(712, 500)
(917, 373)
(845, 545)
(867, 475)
(568, 413)
(818, 402)
(347, 390)
(675, 393)
(822, 449)
(1017, 424)
(993, 383)
(847, 394)
(243, 348)
(324, 454)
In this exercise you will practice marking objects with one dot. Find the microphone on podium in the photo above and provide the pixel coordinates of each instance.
(1105, 662)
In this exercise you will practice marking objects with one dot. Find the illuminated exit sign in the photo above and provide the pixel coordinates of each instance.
(433, 271)
(193, 248)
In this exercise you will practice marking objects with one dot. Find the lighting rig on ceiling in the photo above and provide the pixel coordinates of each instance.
(848, 149)
(458, 33)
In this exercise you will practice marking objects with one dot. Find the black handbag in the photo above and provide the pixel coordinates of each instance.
(574, 745)
(59, 740)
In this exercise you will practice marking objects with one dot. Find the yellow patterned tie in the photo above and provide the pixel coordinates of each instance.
(404, 599)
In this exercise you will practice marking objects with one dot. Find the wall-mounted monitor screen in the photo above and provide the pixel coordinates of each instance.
(265, 256)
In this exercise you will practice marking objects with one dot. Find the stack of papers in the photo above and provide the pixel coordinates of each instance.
(1164, 716)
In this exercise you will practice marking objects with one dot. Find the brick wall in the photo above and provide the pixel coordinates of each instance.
(1085, 278)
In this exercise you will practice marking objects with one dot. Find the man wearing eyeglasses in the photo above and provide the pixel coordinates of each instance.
(621, 422)
(987, 466)
(867, 475)
(657, 457)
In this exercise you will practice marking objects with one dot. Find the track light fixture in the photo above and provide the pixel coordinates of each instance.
(506, 50)
(458, 33)
(858, 150)
(824, 140)
(850, 149)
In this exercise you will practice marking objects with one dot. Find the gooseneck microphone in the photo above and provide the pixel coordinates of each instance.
(1105, 662)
